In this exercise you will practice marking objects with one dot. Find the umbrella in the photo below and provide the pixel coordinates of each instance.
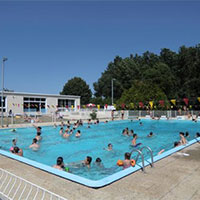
(90, 105)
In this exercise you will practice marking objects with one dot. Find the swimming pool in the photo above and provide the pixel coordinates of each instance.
(92, 143)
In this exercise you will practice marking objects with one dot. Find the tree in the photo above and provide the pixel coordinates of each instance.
(77, 86)
(144, 92)
(161, 75)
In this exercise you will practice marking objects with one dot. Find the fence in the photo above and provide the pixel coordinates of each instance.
(166, 113)
(17, 188)
(84, 114)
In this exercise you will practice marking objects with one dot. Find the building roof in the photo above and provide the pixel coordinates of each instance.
(41, 95)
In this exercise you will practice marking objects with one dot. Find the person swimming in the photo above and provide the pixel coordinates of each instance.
(98, 162)
(126, 161)
(34, 146)
(38, 128)
(78, 134)
(60, 165)
(61, 131)
(187, 135)
(14, 143)
(134, 144)
(197, 135)
(150, 134)
(38, 136)
(17, 151)
(110, 147)
(183, 141)
(82, 163)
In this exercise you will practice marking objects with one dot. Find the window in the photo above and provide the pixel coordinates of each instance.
(34, 104)
(4, 104)
(65, 103)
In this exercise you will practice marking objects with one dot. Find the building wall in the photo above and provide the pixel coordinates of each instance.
(15, 103)
(51, 103)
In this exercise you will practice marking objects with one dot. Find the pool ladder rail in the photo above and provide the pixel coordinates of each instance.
(140, 153)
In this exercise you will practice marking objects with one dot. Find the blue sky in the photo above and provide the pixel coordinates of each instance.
(47, 43)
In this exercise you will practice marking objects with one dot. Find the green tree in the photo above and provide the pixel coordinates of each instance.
(161, 75)
(77, 86)
(144, 92)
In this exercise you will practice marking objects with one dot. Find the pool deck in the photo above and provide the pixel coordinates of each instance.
(175, 177)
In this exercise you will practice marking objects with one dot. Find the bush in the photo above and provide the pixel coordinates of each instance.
(93, 115)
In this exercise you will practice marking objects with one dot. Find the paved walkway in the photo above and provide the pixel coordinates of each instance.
(174, 178)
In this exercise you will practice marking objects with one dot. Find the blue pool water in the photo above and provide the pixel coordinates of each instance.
(93, 140)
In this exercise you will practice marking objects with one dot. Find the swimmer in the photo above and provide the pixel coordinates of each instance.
(78, 134)
(14, 143)
(55, 126)
(98, 162)
(197, 135)
(161, 151)
(13, 130)
(150, 134)
(34, 146)
(66, 134)
(131, 132)
(38, 136)
(176, 144)
(126, 161)
(134, 140)
(183, 141)
(67, 129)
(141, 124)
(17, 151)
(87, 161)
(61, 131)
(60, 164)
(110, 147)
(38, 128)
(187, 134)
(125, 132)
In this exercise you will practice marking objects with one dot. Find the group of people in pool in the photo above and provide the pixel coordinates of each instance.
(127, 162)
(83, 163)
(87, 162)
(183, 140)
(34, 146)
(70, 129)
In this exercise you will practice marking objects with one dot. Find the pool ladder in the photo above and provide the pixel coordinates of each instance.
(139, 151)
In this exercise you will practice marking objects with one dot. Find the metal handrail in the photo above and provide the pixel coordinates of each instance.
(151, 153)
(15, 187)
(139, 154)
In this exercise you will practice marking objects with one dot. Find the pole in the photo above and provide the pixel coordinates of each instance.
(2, 94)
(112, 90)
(2, 101)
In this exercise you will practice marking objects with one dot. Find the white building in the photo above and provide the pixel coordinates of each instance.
(21, 103)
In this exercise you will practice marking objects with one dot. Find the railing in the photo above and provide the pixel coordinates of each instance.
(151, 153)
(85, 115)
(159, 113)
(13, 187)
(140, 153)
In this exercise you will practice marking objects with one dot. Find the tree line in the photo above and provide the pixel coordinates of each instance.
(144, 78)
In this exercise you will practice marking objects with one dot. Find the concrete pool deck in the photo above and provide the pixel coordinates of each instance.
(175, 177)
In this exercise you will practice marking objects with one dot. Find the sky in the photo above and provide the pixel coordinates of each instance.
(49, 42)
